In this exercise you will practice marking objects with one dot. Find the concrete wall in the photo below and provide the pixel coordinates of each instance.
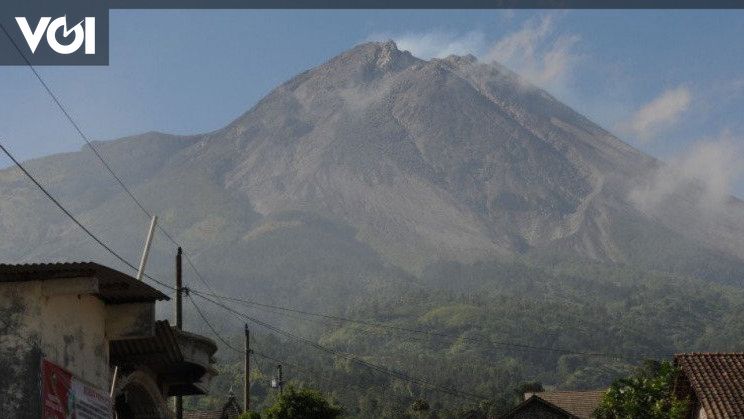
(66, 322)
(42, 319)
(73, 337)
(20, 350)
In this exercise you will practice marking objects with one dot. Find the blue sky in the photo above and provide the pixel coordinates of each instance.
(669, 82)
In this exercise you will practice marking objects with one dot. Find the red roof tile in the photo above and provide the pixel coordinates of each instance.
(717, 379)
(579, 403)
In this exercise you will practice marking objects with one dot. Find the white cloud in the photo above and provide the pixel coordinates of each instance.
(705, 174)
(662, 112)
(538, 53)
(437, 44)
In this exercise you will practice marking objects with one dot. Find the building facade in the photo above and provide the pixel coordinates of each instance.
(84, 336)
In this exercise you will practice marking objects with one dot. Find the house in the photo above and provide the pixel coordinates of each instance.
(81, 339)
(557, 405)
(230, 410)
(714, 383)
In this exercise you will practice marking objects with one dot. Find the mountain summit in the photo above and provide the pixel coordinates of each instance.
(381, 157)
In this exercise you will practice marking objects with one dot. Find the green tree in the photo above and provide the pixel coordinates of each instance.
(420, 407)
(249, 415)
(304, 403)
(648, 394)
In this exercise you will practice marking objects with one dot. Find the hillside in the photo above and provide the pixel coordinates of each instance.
(409, 162)
(441, 195)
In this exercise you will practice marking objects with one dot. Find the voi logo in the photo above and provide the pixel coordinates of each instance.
(83, 34)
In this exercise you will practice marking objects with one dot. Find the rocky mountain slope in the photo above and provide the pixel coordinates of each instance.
(358, 174)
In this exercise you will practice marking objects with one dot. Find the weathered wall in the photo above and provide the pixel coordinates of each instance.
(73, 336)
(43, 319)
(20, 351)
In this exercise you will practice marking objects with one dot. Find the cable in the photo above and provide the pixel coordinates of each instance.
(397, 374)
(227, 344)
(262, 355)
(230, 346)
(350, 357)
(128, 191)
(72, 121)
(211, 327)
(94, 149)
(429, 333)
(75, 220)
(193, 268)
(120, 258)
(437, 334)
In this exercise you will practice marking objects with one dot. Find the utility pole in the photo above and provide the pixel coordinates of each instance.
(179, 318)
(146, 250)
(247, 385)
(179, 291)
(281, 379)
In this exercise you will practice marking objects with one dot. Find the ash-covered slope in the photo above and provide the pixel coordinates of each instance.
(400, 161)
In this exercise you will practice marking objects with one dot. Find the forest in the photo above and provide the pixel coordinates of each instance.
(471, 337)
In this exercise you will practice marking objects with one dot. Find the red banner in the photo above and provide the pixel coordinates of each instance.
(66, 397)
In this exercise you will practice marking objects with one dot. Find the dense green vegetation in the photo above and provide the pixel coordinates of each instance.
(649, 393)
(601, 322)
(302, 403)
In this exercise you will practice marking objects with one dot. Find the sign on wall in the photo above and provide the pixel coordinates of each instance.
(65, 396)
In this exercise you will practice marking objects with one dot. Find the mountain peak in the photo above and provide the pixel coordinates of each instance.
(384, 55)
(460, 60)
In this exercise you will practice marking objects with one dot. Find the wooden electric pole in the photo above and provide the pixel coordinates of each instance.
(281, 379)
(179, 291)
(179, 318)
(247, 385)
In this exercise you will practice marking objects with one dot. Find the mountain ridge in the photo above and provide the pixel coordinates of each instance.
(425, 161)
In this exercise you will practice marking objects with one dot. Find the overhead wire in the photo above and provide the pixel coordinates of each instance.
(501, 343)
(189, 260)
(62, 208)
(313, 374)
(95, 150)
(397, 374)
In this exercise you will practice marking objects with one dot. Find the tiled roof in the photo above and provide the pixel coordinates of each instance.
(579, 403)
(717, 379)
(535, 406)
(114, 286)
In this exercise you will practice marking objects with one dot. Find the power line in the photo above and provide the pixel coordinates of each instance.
(228, 344)
(129, 192)
(72, 121)
(501, 343)
(212, 328)
(313, 374)
(337, 318)
(95, 150)
(397, 374)
(196, 271)
(75, 220)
